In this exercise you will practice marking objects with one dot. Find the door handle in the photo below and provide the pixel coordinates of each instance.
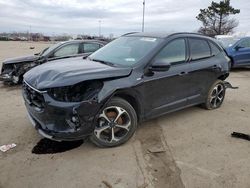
(182, 73)
(215, 67)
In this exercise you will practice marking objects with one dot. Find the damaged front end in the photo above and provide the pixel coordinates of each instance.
(13, 73)
(64, 113)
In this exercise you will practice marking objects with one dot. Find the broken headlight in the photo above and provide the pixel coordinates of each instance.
(83, 91)
(27, 66)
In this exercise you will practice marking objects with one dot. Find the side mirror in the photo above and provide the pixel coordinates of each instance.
(159, 66)
(51, 56)
(238, 47)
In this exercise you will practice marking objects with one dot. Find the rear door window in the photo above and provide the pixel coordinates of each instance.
(199, 49)
(214, 49)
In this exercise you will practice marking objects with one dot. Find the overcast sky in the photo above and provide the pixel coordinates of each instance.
(117, 16)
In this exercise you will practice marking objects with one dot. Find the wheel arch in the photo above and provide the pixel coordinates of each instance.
(132, 99)
(223, 76)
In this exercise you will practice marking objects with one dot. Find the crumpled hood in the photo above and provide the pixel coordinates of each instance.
(69, 72)
(21, 59)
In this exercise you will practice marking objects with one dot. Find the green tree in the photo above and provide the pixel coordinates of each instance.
(215, 19)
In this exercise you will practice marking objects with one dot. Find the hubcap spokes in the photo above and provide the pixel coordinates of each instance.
(217, 95)
(114, 124)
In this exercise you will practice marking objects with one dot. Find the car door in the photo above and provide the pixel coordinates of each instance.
(167, 90)
(241, 54)
(66, 51)
(204, 67)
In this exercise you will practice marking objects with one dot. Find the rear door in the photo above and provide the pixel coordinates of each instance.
(242, 52)
(204, 67)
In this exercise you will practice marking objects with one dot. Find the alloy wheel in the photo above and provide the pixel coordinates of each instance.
(113, 124)
(217, 95)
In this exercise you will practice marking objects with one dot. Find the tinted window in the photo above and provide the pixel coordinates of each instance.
(70, 49)
(215, 50)
(199, 48)
(245, 43)
(173, 52)
(90, 47)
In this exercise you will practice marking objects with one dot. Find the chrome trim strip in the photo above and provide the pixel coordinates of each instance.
(34, 88)
(44, 134)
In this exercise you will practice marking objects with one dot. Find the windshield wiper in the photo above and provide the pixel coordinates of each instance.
(103, 62)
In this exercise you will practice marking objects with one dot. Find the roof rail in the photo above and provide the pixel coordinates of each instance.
(178, 33)
(130, 33)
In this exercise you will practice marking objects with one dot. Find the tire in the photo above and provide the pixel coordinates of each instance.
(116, 124)
(215, 97)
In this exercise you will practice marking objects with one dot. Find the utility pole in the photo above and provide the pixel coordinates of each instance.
(30, 33)
(143, 15)
(100, 28)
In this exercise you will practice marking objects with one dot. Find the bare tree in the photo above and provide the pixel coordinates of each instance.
(215, 19)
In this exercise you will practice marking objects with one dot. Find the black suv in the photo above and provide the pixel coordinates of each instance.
(136, 77)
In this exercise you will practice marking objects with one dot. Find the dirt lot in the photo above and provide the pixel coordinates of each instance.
(199, 151)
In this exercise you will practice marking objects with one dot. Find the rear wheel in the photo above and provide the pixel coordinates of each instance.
(215, 95)
(116, 124)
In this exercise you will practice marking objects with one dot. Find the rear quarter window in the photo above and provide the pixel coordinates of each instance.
(214, 49)
(199, 48)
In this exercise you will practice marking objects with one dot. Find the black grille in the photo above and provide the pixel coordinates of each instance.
(33, 97)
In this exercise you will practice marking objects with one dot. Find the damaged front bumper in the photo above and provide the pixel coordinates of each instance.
(5, 77)
(8, 77)
(6, 73)
(60, 120)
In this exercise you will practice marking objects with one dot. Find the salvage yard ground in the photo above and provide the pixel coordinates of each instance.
(190, 148)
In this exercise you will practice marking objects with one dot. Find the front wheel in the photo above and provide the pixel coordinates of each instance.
(116, 124)
(215, 96)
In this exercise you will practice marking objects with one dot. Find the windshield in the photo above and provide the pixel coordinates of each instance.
(125, 51)
(47, 51)
(227, 42)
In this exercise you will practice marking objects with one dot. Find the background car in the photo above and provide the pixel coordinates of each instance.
(135, 78)
(13, 69)
(238, 50)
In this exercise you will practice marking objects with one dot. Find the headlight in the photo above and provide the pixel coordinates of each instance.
(76, 93)
(28, 65)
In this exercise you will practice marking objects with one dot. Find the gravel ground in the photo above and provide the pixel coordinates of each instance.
(198, 148)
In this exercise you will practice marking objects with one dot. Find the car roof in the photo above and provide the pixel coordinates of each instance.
(87, 40)
(162, 34)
